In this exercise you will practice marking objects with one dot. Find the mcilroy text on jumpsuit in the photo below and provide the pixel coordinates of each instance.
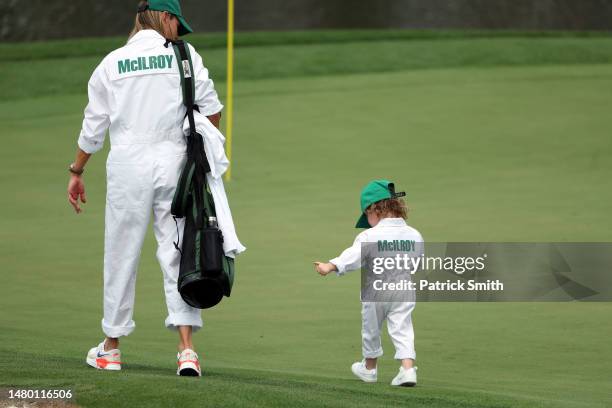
(135, 94)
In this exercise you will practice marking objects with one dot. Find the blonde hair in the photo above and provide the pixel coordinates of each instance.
(394, 207)
(148, 20)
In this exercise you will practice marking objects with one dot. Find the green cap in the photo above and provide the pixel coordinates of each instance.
(172, 7)
(374, 192)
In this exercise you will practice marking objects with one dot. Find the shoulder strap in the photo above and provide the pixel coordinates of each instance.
(195, 144)
(185, 66)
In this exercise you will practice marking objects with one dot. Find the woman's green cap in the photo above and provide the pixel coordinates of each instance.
(374, 192)
(172, 7)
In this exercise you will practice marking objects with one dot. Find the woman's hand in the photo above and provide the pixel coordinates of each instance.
(325, 268)
(76, 191)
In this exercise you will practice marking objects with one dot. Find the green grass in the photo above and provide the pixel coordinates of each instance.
(515, 153)
(101, 45)
(65, 67)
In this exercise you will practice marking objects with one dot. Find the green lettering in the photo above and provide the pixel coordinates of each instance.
(153, 62)
(169, 60)
(124, 66)
(134, 65)
(396, 245)
(161, 62)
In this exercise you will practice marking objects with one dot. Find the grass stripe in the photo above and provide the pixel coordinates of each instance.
(84, 47)
(41, 77)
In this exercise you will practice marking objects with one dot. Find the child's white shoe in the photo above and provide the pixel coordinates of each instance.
(188, 364)
(361, 372)
(405, 377)
(104, 360)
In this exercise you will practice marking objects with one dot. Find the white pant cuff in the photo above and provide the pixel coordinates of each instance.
(404, 355)
(373, 354)
(193, 319)
(118, 331)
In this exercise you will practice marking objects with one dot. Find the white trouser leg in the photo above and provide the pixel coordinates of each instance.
(399, 324)
(166, 174)
(128, 203)
(372, 317)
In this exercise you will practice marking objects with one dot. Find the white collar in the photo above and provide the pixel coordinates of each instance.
(392, 222)
(146, 34)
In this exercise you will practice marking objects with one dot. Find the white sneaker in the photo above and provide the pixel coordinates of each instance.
(188, 364)
(361, 372)
(104, 360)
(405, 377)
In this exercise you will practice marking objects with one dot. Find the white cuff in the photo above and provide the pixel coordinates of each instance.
(118, 331)
(372, 353)
(87, 146)
(193, 319)
(341, 268)
(211, 110)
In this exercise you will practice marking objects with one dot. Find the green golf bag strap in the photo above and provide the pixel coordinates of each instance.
(183, 56)
(193, 176)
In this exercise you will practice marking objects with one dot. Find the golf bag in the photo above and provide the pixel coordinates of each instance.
(206, 274)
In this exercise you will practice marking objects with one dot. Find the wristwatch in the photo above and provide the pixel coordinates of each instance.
(78, 172)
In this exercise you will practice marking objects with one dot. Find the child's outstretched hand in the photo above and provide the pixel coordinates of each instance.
(325, 268)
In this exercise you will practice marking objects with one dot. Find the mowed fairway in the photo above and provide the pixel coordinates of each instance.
(495, 154)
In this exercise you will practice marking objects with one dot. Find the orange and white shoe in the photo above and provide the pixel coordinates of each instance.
(104, 360)
(188, 364)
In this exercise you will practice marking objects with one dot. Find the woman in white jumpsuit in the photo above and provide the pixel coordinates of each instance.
(135, 94)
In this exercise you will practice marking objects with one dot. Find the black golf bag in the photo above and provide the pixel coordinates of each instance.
(206, 274)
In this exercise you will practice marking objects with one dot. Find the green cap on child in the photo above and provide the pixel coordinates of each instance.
(374, 192)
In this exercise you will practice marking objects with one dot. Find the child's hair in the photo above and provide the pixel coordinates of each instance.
(393, 207)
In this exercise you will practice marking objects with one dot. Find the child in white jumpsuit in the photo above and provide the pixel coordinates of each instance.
(135, 93)
(384, 213)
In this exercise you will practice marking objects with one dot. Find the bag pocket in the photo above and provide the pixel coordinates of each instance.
(211, 252)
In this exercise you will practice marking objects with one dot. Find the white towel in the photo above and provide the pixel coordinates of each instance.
(214, 146)
(214, 143)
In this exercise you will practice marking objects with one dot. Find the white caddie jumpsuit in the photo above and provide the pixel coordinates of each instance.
(135, 93)
(373, 314)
